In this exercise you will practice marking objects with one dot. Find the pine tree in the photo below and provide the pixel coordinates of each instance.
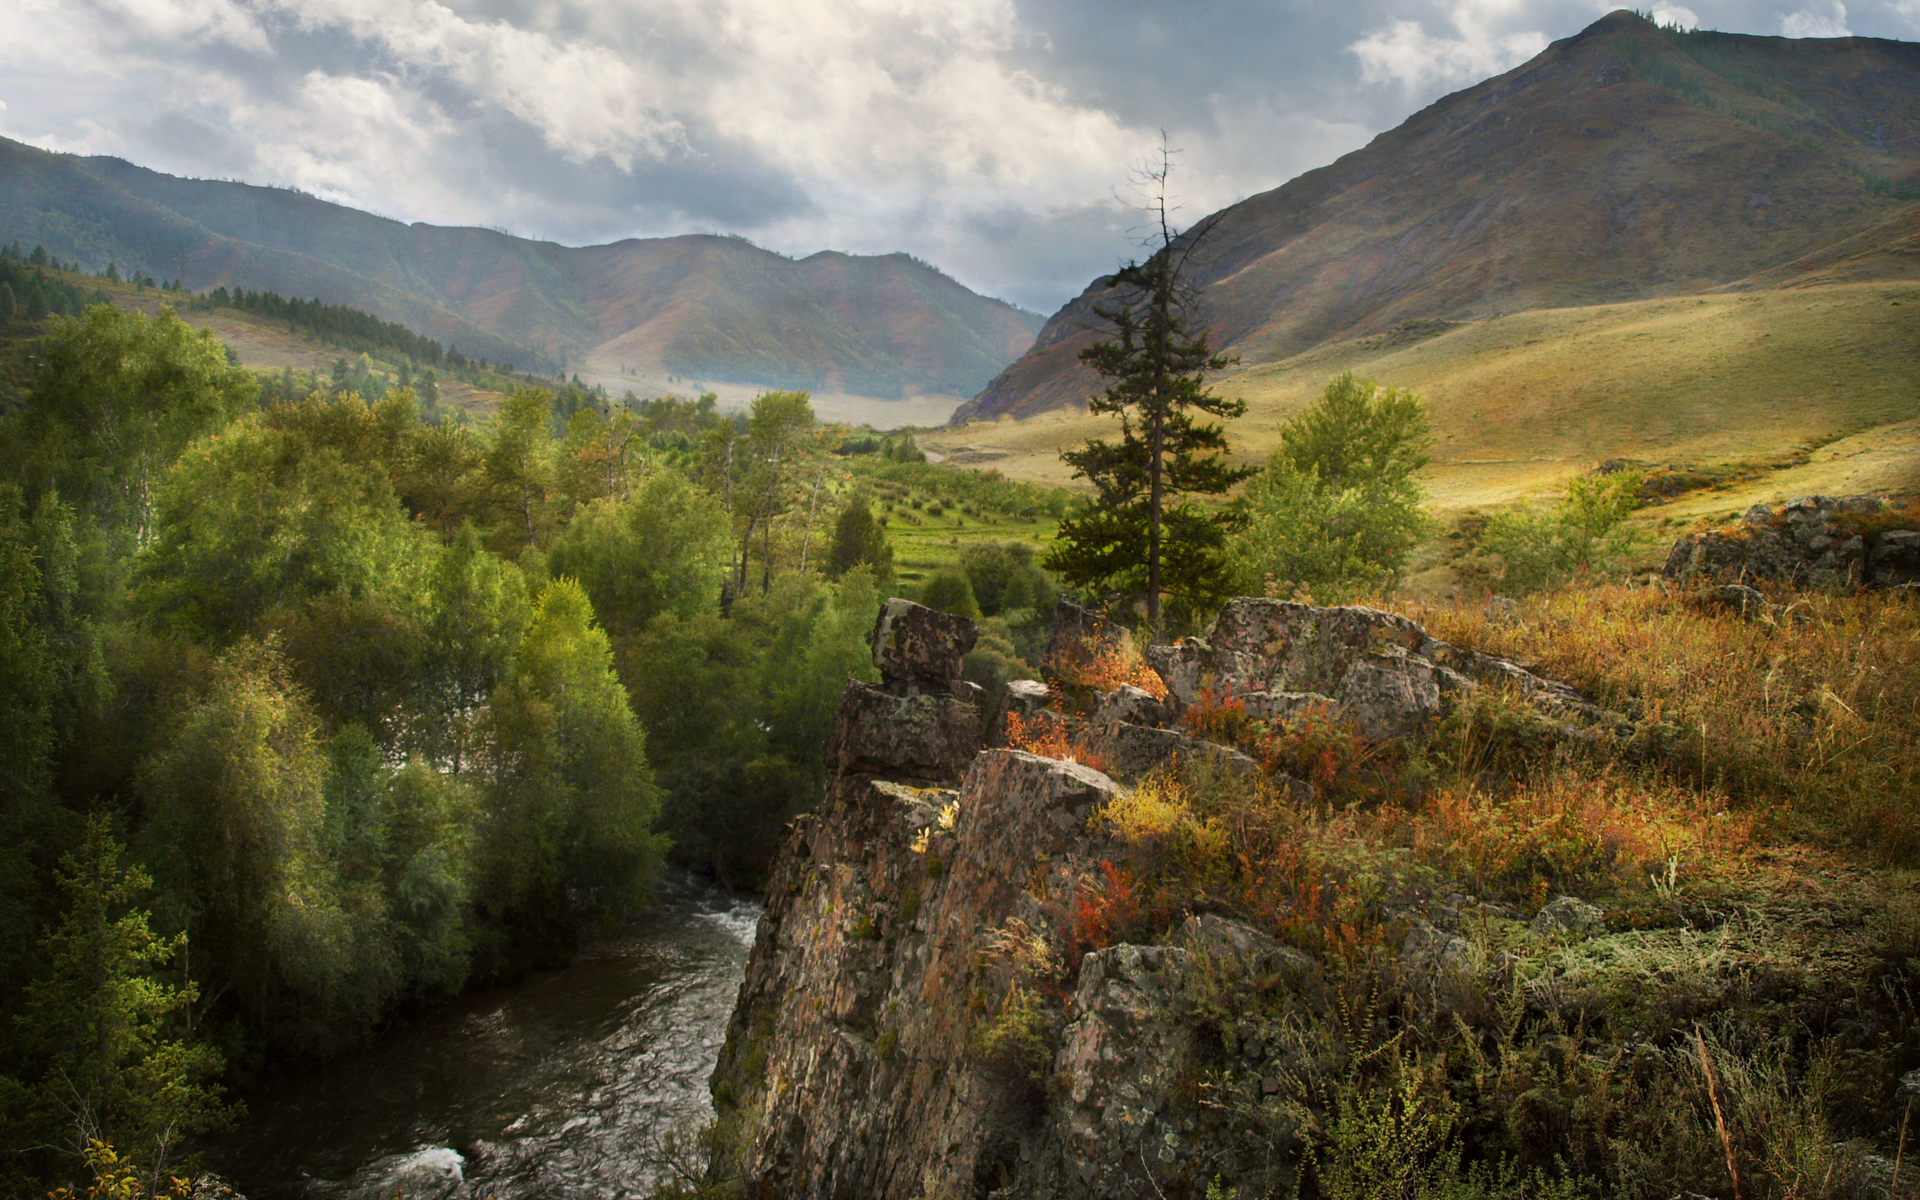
(1144, 536)
(110, 1025)
(858, 538)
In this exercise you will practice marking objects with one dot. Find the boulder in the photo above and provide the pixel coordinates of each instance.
(1129, 751)
(1131, 704)
(1119, 1122)
(1379, 671)
(1895, 559)
(915, 737)
(1811, 541)
(1073, 629)
(914, 644)
(1567, 916)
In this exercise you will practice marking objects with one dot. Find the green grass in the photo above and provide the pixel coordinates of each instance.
(933, 512)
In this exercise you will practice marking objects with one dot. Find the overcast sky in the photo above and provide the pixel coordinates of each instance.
(993, 138)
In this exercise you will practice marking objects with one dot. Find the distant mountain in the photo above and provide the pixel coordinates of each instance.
(1625, 162)
(709, 308)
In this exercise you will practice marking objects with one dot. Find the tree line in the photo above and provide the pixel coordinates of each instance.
(314, 711)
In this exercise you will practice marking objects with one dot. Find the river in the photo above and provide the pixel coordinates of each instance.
(571, 1083)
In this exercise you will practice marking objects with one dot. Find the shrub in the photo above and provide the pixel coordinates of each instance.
(1532, 551)
(1337, 510)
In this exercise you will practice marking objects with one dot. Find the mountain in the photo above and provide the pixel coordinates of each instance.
(710, 308)
(1626, 162)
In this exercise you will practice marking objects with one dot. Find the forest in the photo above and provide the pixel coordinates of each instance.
(312, 711)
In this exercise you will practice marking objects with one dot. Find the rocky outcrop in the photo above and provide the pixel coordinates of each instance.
(927, 1012)
(847, 1069)
(1814, 541)
(1379, 671)
(922, 723)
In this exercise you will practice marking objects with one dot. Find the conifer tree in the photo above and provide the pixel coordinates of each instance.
(1144, 536)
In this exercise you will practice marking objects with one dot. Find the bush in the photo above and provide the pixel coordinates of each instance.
(1531, 551)
(950, 591)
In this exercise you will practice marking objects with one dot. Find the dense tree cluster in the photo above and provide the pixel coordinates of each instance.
(32, 291)
(313, 710)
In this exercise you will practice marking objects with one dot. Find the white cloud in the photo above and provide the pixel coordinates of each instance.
(1810, 24)
(1676, 16)
(986, 135)
(1403, 52)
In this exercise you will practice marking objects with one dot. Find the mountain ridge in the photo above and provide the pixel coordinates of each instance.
(702, 306)
(1624, 162)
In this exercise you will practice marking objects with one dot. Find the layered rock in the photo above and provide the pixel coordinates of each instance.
(923, 1015)
(1813, 541)
(1379, 671)
(922, 723)
(882, 1047)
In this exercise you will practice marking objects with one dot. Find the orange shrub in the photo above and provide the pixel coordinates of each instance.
(1102, 668)
(1048, 737)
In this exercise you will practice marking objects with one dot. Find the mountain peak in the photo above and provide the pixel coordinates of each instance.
(1625, 162)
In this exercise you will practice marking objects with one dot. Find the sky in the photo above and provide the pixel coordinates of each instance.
(1000, 140)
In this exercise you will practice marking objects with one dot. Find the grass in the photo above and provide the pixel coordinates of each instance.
(1522, 402)
(1750, 841)
(932, 513)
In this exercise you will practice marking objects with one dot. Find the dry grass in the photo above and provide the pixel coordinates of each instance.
(1522, 402)
(1808, 721)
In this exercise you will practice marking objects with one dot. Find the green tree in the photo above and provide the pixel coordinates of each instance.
(280, 510)
(738, 709)
(858, 538)
(8, 306)
(117, 398)
(572, 798)
(516, 465)
(1527, 551)
(950, 591)
(665, 550)
(1005, 577)
(237, 831)
(753, 470)
(1337, 508)
(112, 1032)
(1143, 535)
(478, 606)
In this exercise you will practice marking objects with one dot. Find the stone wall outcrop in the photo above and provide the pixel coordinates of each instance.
(1812, 541)
(1378, 670)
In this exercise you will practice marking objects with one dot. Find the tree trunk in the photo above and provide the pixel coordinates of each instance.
(806, 539)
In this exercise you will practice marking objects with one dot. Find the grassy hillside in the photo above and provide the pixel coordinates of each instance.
(1521, 402)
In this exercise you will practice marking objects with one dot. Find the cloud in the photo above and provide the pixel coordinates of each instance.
(1402, 51)
(1676, 17)
(1809, 24)
(990, 137)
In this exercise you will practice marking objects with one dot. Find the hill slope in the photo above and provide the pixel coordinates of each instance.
(710, 308)
(1626, 162)
(1523, 401)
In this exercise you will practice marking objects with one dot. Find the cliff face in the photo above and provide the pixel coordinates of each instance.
(934, 1007)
